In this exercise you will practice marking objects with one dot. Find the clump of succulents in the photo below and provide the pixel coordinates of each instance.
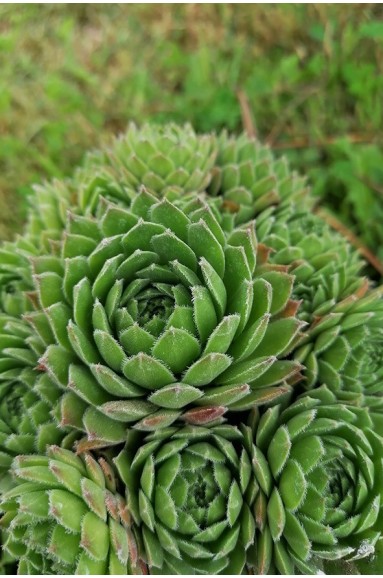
(190, 370)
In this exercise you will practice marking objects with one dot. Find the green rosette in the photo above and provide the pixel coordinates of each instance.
(318, 464)
(156, 315)
(248, 179)
(169, 161)
(66, 516)
(191, 492)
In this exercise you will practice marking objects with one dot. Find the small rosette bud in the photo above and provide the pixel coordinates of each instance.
(318, 465)
(65, 517)
(191, 491)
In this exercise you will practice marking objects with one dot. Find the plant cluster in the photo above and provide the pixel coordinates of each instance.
(314, 93)
(190, 370)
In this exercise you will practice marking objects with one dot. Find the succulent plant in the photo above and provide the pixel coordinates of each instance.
(190, 370)
(65, 516)
(318, 465)
(191, 492)
(157, 316)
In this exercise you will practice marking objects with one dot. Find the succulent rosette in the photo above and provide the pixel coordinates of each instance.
(206, 356)
(191, 490)
(167, 160)
(65, 516)
(156, 315)
(249, 179)
(318, 464)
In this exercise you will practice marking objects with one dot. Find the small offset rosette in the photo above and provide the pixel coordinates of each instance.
(65, 516)
(191, 492)
(154, 314)
(318, 465)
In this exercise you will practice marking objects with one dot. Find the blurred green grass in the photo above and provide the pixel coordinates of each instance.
(73, 75)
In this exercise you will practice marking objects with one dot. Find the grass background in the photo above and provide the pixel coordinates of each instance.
(309, 77)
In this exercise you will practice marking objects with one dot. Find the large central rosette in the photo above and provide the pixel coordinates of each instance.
(191, 491)
(154, 313)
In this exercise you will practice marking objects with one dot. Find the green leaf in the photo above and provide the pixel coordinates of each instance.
(283, 560)
(106, 278)
(292, 485)
(82, 346)
(140, 237)
(296, 537)
(279, 450)
(278, 372)
(241, 302)
(94, 496)
(59, 315)
(175, 396)
(137, 261)
(317, 532)
(308, 452)
(246, 238)
(205, 316)
(63, 545)
(146, 511)
(264, 552)
(278, 336)
(223, 335)
(165, 508)
(246, 343)
(204, 244)
(147, 372)
(67, 509)
(115, 384)
(237, 269)
(234, 503)
(50, 288)
(171, 217)
(107, 249)
(282, 285)
(135, 340)
(215, 285)
(170, 248)
(110, 350)
(206, 369)
(116, 221)
(100, 320)
(127, 410)
(246, 371)
(276, 515)
(177, 349)
(262, 471)
(84, 384)
(99, 426)
(95, 536)
(224, 395)
(153, 548)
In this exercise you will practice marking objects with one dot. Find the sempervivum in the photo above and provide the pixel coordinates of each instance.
(318, 465)
(154, 314)
(191, 491)
(248, 178)
(65, 516)
(168, 160)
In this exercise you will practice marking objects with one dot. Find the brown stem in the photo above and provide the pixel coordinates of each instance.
(341, 228)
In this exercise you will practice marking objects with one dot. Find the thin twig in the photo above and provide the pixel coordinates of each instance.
(341, 228)
(247, 117)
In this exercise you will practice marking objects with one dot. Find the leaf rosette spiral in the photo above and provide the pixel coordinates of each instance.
(318, 464)
(65, 516)
(156, 315)
(191, 491)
